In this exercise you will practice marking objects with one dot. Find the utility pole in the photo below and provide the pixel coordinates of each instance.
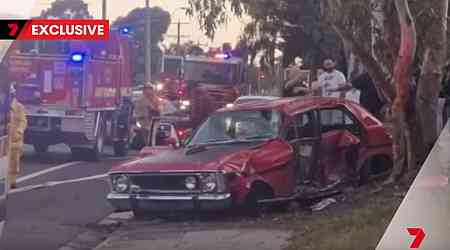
(178, 36)
(148, 43)
(104, 6)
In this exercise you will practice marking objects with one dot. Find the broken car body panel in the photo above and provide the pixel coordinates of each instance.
(307, 145)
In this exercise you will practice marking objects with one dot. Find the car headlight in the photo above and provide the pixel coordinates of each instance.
(159, 86)
(186, 103)
(190, 182)
(230, 105)
(120, 183)
(138, 124)
(209, 182)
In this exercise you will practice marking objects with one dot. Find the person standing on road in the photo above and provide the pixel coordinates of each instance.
(17, 126)
(145, 108)
(331, 80)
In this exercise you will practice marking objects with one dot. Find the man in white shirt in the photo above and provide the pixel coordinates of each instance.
(331, 80)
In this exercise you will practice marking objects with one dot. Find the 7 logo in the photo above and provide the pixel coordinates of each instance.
(419, 234)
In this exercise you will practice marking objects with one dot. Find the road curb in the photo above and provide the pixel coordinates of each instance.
(96, 235)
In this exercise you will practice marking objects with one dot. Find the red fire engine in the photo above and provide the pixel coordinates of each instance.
(202, 84)
(75, 93)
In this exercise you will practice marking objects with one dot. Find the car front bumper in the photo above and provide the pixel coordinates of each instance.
(170, 203)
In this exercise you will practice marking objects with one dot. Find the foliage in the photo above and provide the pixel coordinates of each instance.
(186, 48)
(67, 9)
(135, 22)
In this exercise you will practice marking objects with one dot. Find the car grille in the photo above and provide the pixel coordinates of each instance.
(163, 183)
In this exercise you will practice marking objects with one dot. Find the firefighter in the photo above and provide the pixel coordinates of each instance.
(145, 108)
(17, 126)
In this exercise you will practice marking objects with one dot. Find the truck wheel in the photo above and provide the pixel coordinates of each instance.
(138, 142)
(40, 148)
(121, 148)
(97, 150)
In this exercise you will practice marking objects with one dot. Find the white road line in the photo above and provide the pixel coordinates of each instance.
(46, 171)
(55, 183)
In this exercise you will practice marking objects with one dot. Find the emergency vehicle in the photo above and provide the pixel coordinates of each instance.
(206, 83)
(212, 82)
(75, 92)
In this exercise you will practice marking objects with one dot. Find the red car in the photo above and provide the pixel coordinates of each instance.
(262, 151)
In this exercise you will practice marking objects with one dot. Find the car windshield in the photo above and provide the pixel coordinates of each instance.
(238, 126)
(214, 73)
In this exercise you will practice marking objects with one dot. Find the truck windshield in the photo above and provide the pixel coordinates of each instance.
(172, 66)
(238, 126)
(207, 72)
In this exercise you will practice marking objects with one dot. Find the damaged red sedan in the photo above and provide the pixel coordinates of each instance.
(257, 152)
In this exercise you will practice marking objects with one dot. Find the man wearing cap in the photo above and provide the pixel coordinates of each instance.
(145, 108)
(331, 80)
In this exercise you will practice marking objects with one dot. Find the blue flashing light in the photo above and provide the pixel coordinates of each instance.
(125, 30)
(77, 57)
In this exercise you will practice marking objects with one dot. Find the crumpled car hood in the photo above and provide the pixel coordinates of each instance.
(213, 158)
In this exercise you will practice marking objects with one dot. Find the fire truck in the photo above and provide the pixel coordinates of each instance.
(76, 93)
(205, 84)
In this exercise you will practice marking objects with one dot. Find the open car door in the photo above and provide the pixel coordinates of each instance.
(305, 138)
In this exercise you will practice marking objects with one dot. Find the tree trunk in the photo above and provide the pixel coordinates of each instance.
(429, 85)
(402, 150)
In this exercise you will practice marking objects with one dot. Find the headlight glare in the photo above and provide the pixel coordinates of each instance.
(209, 182)
(190, 182)
(120, 183)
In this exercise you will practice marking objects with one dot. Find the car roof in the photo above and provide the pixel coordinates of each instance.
(258, 97)
(288, 105)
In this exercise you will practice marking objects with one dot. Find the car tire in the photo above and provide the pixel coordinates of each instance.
(257, 193)
(40, 148)
(364, 173)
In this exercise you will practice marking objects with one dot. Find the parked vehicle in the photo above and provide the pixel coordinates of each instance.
(75, 92)
(271, 151)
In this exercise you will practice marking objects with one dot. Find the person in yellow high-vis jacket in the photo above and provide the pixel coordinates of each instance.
(17, 126)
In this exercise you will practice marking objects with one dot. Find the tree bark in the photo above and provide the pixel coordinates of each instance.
(433, 64)
(402, 147)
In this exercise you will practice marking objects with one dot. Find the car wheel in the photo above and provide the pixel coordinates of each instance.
(258, 192)
(40, 148)
(364, 173)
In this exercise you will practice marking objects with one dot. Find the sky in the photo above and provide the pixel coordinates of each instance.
(228, 33)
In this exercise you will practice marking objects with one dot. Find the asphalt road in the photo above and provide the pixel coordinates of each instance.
(46, 218)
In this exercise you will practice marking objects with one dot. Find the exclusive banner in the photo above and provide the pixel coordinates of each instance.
(46, 29)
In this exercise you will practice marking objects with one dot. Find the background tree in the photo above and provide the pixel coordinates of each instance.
(369, 30)
(67, 9)
(135, 22)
